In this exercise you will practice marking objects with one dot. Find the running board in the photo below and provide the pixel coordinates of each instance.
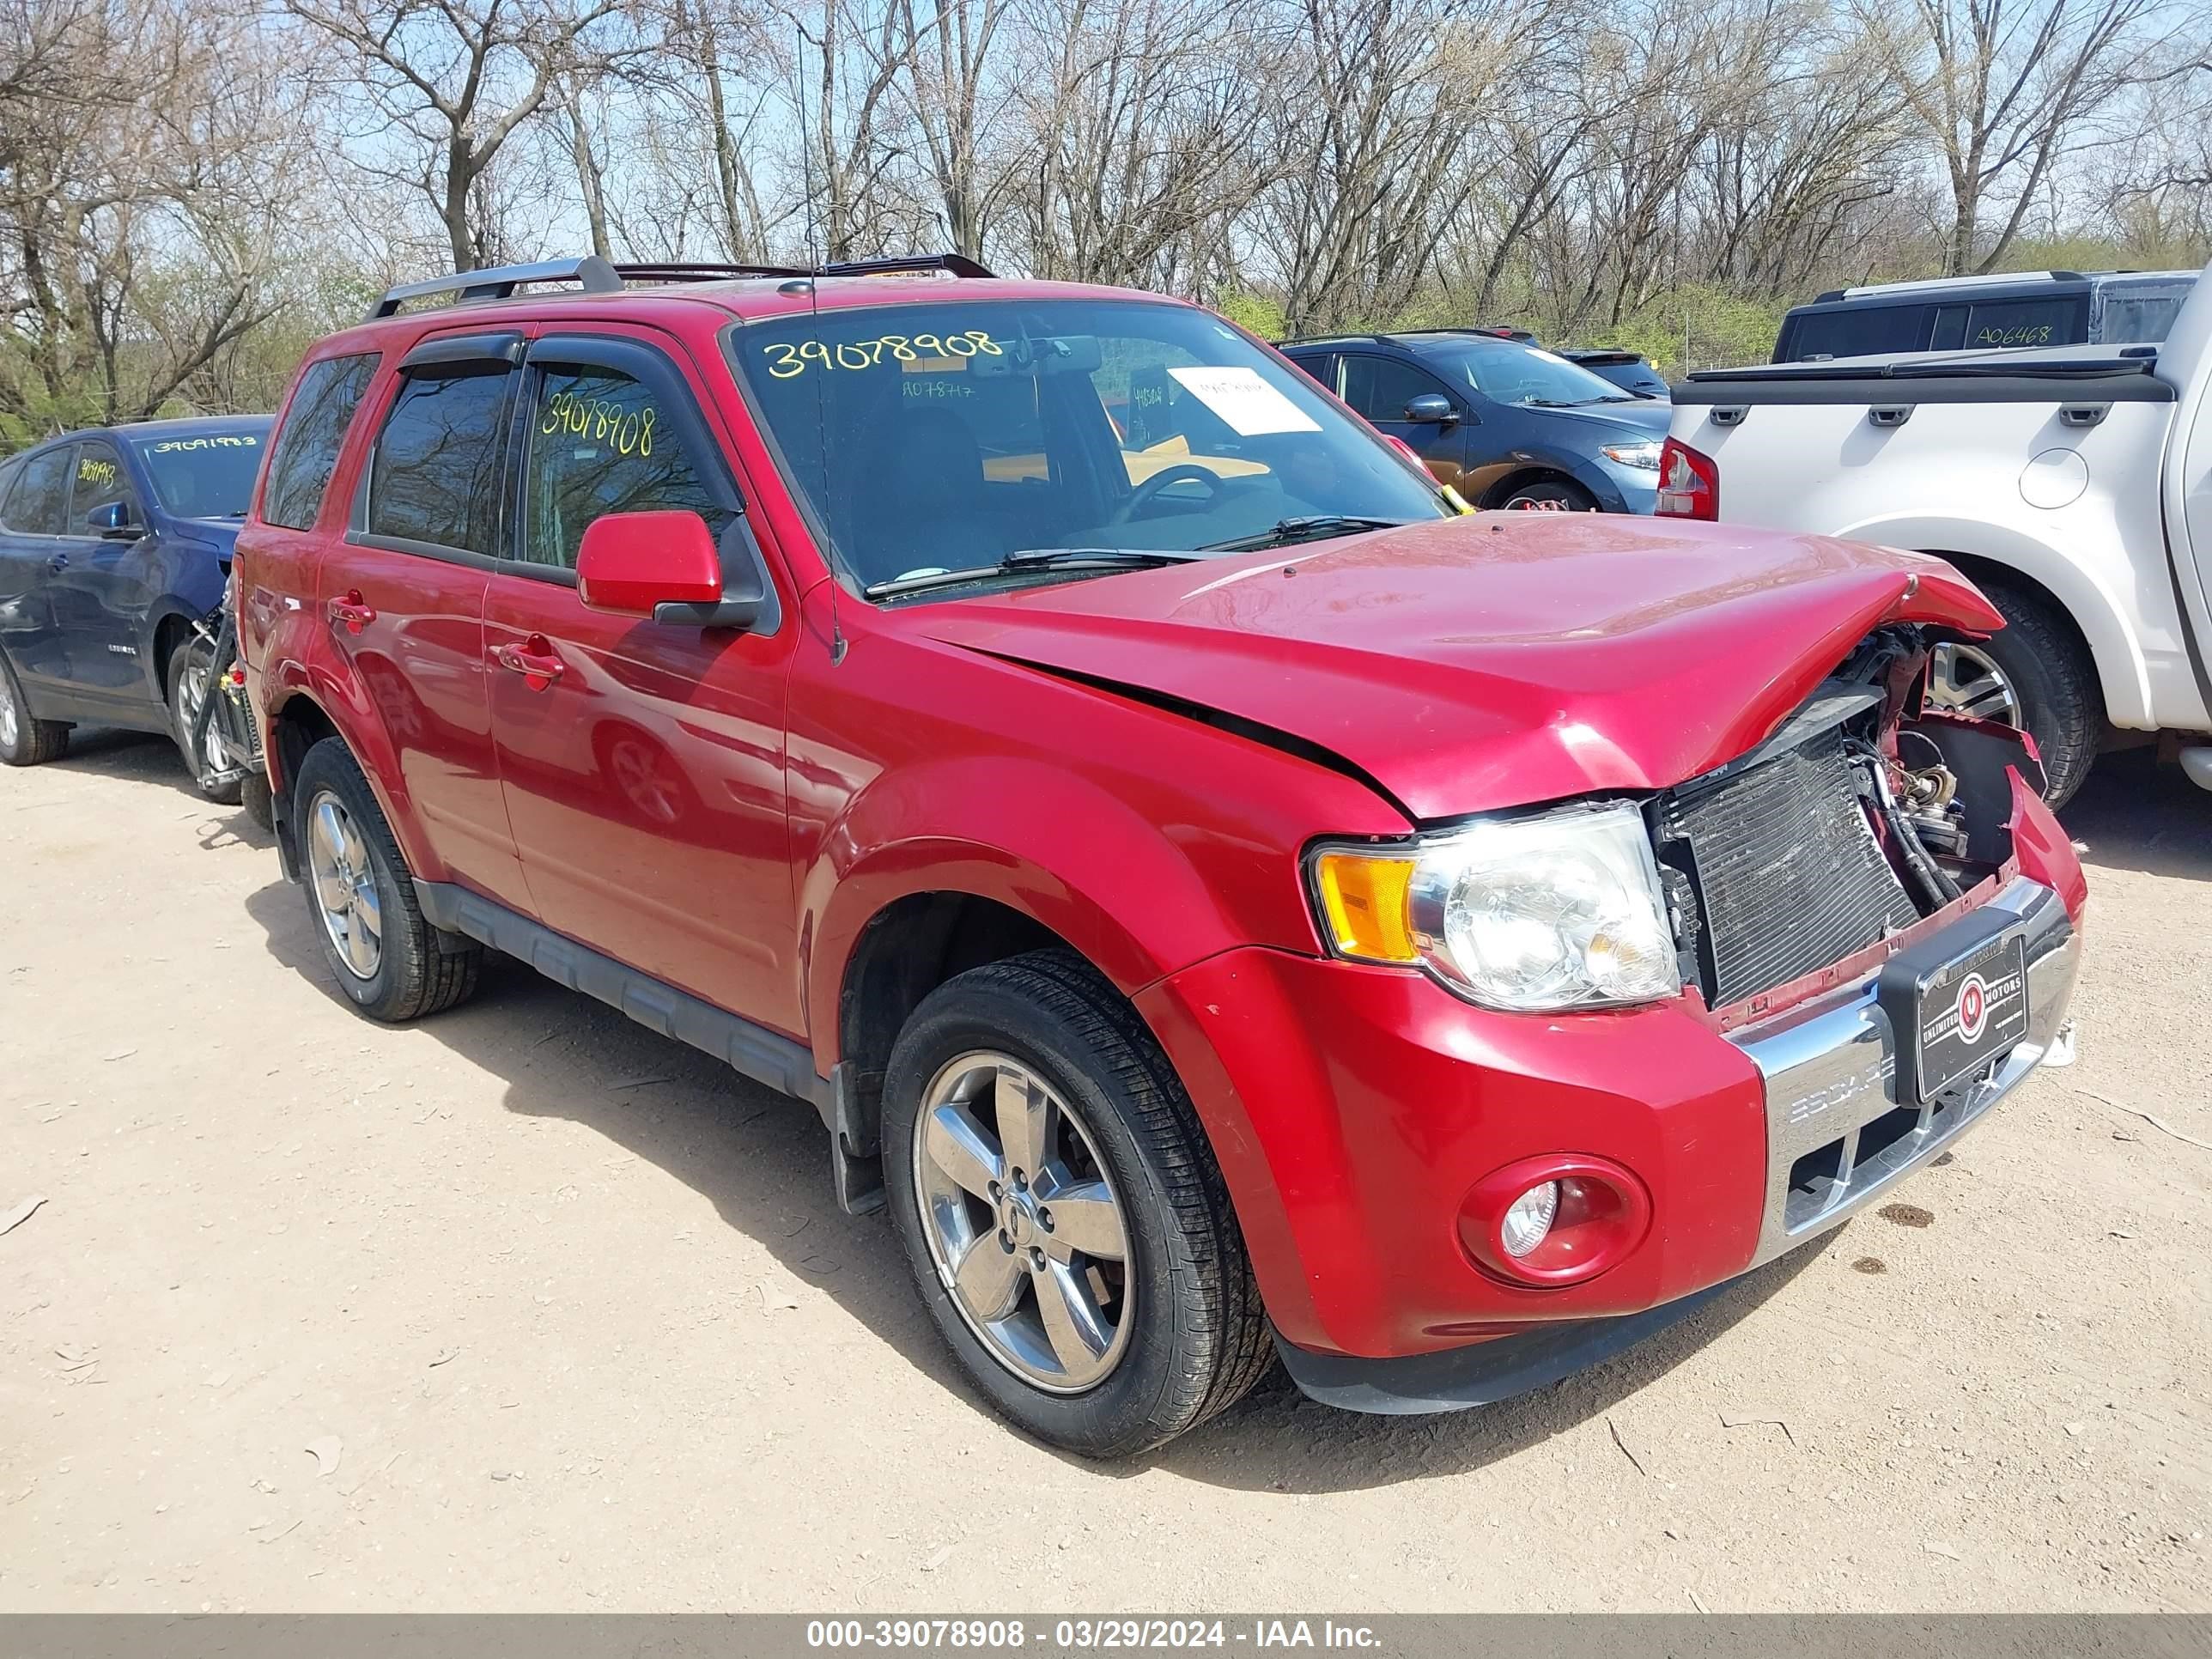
(753, 1051)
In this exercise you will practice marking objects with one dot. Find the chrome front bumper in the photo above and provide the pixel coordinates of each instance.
(1836, 1135)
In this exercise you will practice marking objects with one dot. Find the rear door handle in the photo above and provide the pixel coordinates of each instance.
(534, 661)
(352, 611)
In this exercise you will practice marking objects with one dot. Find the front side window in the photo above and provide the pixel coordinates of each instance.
(39, 504)
(435, 476)
(601, 442)
(97, 480)
(941, 438)
(1381, 387)
(205, 475)
(306, 450)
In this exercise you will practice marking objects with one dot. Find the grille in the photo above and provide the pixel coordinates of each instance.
(1789, 877)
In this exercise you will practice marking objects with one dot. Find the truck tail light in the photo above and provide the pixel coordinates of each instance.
(1689, 483)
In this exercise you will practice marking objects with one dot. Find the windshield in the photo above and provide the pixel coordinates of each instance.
(208, 474)
(1533, 377)
(935, 438)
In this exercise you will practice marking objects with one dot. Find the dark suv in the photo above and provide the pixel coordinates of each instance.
(2026, 308)
(114, 543)
(1503, 421)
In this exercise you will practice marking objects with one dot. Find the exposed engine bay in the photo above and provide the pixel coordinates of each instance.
(1864, 812)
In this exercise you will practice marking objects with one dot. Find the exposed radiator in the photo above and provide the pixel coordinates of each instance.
(1789, 877)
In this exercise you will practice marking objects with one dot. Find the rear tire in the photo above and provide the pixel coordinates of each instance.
(189, 684)
(255, 796)
(2049, 670)
(1180, 1333)
(25, 741)
(393, 964)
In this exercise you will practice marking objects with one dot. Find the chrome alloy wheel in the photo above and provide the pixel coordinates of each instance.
(11, 722)
(1963, 680)
(345, 885)
(1024, 1228)
(191, 694)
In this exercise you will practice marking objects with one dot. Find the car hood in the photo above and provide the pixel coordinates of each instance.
(1486, 661)
(1644, 419)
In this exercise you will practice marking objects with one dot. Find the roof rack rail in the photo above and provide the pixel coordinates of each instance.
(698, 271)
(500, 281)
(598, 275)
(959, 264)
(1930, 284)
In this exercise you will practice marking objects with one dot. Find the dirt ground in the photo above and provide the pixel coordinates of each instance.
(528, 1309)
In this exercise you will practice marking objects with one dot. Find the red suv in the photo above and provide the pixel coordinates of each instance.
(1228, 903)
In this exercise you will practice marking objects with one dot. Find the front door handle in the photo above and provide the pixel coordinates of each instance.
(355, 612)
(58, 563)
(533, 659)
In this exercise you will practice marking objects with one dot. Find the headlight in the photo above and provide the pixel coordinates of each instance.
(1561, 910)
(1644, 455)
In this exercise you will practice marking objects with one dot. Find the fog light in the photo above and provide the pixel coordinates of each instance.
(1529, 1218)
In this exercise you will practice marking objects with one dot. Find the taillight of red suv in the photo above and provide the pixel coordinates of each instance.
(1689, 483)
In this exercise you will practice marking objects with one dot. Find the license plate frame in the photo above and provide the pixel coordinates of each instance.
(1954, 1004)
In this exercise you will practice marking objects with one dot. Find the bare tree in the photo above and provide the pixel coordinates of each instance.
(454, 79)
(136, 226)
(2003, 88)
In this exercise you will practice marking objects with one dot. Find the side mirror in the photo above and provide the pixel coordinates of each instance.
(1431, 409)
(664, 565)
(114, 521)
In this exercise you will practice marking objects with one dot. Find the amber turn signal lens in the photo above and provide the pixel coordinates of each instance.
(1364, 899)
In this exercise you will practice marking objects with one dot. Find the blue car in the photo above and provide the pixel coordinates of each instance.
(112, 542)
(1506, 423)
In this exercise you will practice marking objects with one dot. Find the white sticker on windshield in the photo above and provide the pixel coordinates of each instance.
(1251, 406)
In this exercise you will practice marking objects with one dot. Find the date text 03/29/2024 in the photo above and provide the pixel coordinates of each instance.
(1071, 1634)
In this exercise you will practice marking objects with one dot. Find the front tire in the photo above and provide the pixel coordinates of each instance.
(210, 765)
(2034, 673)
(1067, 1227)
(25, 741)
(1548, 495)
(393, 964)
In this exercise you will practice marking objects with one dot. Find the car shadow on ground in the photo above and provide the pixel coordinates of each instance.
(762, 1160)
(146, 756)
(2134, 813)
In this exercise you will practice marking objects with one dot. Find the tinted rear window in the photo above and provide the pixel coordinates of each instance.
(436, 473)
(1857, 331)
(306, 451)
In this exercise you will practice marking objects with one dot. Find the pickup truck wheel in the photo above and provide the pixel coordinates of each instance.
(390, 964)
(2032, 673)
(1067, 1227)
(25, 741)
(209, 763)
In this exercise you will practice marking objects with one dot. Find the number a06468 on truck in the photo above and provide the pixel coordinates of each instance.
(1225, 904)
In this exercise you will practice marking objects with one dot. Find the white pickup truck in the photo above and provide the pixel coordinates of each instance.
(2074, 485)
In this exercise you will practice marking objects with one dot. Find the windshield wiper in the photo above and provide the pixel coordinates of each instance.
(1313, 527)
(1032, 558)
